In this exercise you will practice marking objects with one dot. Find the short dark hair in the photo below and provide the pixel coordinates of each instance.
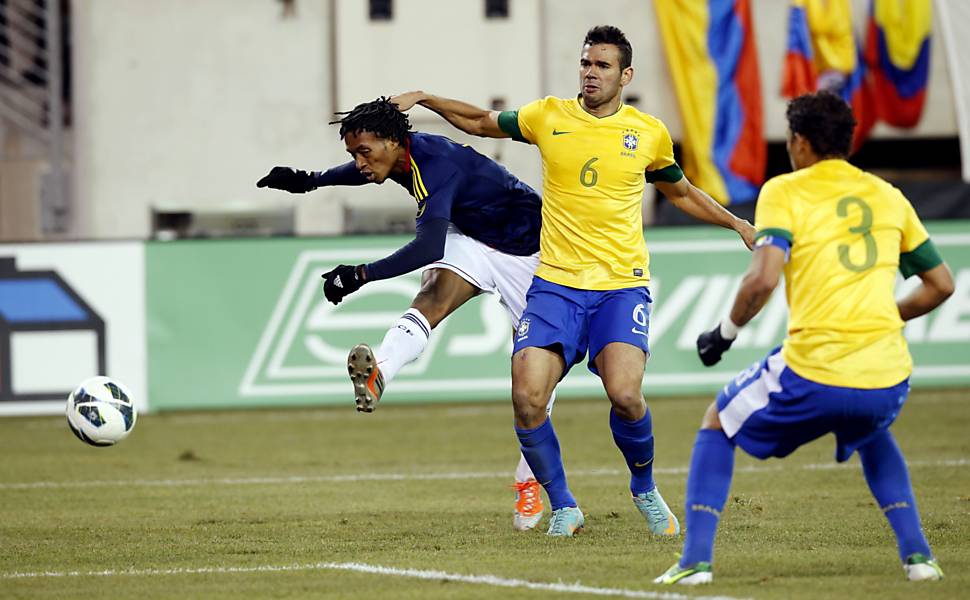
(607, 34)
(380, 117)
(825, 120)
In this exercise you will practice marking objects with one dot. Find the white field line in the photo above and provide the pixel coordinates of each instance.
(355, 477)
(301, 415)
(332, 413)
(493, 580)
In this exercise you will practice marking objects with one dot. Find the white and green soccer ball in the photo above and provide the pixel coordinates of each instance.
(101, 411)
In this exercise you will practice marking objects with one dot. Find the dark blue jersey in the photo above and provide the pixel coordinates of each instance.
(452, 183)
(477, 195)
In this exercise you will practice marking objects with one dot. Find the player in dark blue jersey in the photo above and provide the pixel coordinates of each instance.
(477, 230)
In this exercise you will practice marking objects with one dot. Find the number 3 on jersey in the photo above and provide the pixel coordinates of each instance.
(864, 227)
(588, 175)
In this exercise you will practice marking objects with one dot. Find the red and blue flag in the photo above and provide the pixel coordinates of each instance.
(823, 53)
(898, 55)
(710, 48)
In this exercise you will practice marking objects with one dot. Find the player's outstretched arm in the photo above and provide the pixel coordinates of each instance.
(936, 287)
(297, 181)
(695, 202)
(427, 246)
(464, 116)
(288, 179)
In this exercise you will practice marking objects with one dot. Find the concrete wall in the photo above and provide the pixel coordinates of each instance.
(185, 104)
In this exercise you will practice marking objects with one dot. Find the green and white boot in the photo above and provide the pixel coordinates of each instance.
(694, 574)
(920, 567)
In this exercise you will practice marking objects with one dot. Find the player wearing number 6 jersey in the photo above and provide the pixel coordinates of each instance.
(589, 295)
(839, 235)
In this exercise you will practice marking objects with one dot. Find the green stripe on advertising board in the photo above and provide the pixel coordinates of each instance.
(243, 323)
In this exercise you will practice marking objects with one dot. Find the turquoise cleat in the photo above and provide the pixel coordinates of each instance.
(694, 574)
(566, 521)
(660, 520)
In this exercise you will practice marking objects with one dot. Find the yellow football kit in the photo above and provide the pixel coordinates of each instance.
(593, 175)
(849, 233)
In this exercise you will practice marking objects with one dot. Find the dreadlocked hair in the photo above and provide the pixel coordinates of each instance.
(380, 117)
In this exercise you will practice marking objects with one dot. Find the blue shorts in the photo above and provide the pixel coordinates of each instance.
(769, 410)
(571, 321)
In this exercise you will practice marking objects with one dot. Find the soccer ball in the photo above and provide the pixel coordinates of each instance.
(100, 411)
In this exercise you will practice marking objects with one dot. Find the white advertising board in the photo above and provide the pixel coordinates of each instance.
(67, 312)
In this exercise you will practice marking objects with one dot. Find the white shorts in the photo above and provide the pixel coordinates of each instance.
(489, 270)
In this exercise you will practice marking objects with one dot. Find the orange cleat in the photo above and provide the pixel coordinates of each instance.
(528, 505)
(366, 376)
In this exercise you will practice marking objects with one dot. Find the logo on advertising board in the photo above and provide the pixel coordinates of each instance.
(304, 344)
(40, 311)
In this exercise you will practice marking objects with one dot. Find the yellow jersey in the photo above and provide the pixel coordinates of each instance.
(593, 175)
(849, 233)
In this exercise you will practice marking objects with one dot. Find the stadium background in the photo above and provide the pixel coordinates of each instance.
(133, 242)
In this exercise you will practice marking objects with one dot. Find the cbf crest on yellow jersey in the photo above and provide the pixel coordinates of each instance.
(849, 233)
(593, 172)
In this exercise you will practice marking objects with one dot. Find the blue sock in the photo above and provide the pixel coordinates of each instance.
(540, 446)
(888, 478)
(635, 441)
(708, 482)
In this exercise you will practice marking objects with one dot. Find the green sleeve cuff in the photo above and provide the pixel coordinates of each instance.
(922, 258)
(668, 174)
(508, 121)
(774, 231)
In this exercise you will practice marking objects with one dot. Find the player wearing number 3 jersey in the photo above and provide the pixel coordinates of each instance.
(589, 295)
(839, 235)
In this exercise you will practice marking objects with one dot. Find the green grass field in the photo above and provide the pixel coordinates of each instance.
(276, 503)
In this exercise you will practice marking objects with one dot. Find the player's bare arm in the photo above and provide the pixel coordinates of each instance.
(758, 283)
(756, 287)
(936, 287)
(466, 117)
(695, 202)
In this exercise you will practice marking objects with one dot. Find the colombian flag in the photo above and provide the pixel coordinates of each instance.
(711, 52)
(800, 75)
(858, 92)
(898, 53)
(822, 53)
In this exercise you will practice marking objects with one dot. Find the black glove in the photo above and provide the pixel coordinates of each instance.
(711, 345)
(288, 179)
(342, 281)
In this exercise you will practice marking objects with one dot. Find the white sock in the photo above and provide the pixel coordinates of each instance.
(403, 343)
(552, 400)
(523, 472)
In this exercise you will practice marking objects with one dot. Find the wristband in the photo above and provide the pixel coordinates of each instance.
(729, 330)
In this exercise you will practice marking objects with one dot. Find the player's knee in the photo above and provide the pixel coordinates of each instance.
(529, 403)
(711, 420)
(527, 395)
(628, 404)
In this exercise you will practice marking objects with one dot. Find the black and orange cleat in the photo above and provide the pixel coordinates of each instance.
(367, 377)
